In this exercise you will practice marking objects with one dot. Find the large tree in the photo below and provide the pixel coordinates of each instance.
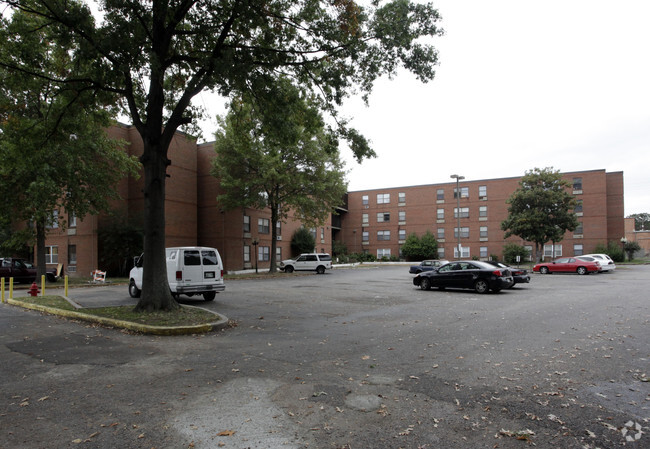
(158, 55)
(56, 156)
(541, 209)
(275, 151)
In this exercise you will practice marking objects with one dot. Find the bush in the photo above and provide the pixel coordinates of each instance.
(512, 250)
(302, 242)
(613, 250)
(420, 248)
(339, 249)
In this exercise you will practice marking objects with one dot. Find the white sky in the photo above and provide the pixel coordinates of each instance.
(521, 84)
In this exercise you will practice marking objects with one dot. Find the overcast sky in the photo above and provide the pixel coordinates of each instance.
(521, 84)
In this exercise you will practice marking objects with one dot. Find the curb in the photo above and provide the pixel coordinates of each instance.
(221, 323)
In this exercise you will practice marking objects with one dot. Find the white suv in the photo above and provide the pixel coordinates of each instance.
(606, 262)
(308, 262)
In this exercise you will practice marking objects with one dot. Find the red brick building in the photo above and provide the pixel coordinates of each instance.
(378, 221)
(373, 221)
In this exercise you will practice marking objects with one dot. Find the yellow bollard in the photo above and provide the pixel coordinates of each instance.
(42, 285)
(11, 288)
(2, 287)
(66, 286)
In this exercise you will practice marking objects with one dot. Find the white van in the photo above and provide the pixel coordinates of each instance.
(191, 270)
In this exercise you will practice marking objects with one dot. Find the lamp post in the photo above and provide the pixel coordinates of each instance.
(255, 242)
(458, 178)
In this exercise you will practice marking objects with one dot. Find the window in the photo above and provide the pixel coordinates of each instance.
(402, 234)
(578, 207)
(383, 198)
(72, 254)
(401, 197)
(263, 225)
(464, 252)
(364, 219)
(247, 253)
(441, 214)
(278, 228)
(483, 232)
(247, 223)
(441, 233)
(464, 232)
(365, 236)
(53, 222)
(312, 231)
(51, 254)
(577, 250)
(383, 235)
(529, 248)
(440, 194)
(464, 212)
(383, 217)
(578, 230)
(552, 250)
(464, 192)
(482, 192)
(402, 215)
(441, 253)
(483, 251)
(364, 200)
(482, 211)
(191, 258)
(322, 235)
(577, 183)
(72, 218)
(278, 255)
(263, 253)
(381, 253)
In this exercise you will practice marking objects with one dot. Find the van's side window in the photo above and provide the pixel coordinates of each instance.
(192, 258)
(209, 257)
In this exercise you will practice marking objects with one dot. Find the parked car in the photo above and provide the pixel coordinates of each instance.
(191, 270)
(519, 275)
(591, 259)
(308, 262)
(567, 265)
(606, 262)
(427, 265)
(22, 271)
(480, 276)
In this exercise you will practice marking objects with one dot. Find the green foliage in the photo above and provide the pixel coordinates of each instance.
(512, 250)
(641, 221)
(541, 209)
(630, 248)
(420, 248)
(339, 248)
(302, 242)
(118, 242)
(612, 249)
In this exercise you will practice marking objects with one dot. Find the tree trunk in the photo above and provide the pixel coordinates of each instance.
(155, 287)
(40, 250)
(274, 237)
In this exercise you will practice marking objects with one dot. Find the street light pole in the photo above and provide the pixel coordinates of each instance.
(458, 178)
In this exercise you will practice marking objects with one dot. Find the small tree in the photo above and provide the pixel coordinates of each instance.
(630, 248)
(541, 209)
(302, 242)
(419, 248)
(512, 250)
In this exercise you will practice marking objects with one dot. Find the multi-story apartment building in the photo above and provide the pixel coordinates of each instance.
(378, 221)
(374, 221)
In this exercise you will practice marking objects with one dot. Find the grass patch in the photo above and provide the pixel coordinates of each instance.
(55, 302)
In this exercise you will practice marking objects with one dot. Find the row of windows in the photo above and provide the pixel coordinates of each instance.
(385, 234)
(384, 198)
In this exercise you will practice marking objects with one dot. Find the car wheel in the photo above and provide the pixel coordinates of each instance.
(209, 296)
(134, 292)
(320, 269)
(582, 270)
(288, 269)
(481, 286)
(425, 284)
(544, 270)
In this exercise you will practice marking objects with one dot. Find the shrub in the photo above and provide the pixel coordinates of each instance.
(302, 242)
(512, 250)
(420, 248)
(613, 250)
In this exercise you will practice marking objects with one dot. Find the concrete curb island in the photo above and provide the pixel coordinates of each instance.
(220, 323)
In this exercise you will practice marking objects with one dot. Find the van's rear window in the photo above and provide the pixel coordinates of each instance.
(209, 257)
(192, 258)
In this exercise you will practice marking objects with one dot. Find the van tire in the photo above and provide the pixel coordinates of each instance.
(209, 296)
(320, 269)
(134, 292)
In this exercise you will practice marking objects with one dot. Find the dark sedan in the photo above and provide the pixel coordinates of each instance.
(519, 275)
(427, 265)
(474, 274)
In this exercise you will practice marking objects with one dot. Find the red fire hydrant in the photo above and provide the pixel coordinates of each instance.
(33, 290)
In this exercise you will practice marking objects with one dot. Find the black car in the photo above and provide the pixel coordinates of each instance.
(519, 275)
(480, 276)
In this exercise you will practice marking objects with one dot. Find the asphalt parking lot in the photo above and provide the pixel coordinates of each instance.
(350, 359)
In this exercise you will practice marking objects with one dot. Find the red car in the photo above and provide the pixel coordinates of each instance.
(567, 265)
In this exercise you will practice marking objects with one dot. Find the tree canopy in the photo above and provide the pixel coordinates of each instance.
(56, 156)
(420, 248)
(275, 151)
(157, 55)
(541, 209)
(641, 221)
